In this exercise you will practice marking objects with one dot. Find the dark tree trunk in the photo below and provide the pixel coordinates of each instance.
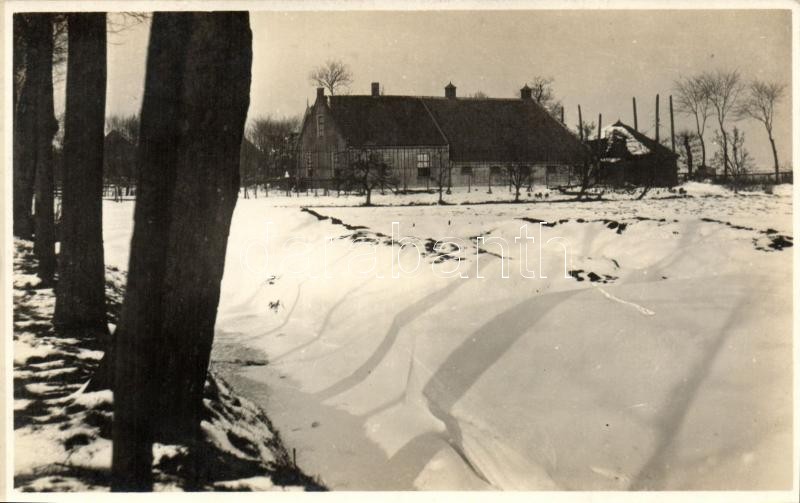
(687, 145)
(216, 96)
(24, 147)
(197, 88)
(41, 79)
(80, 292)
(139, 332)
(19, 25)
(702, 150)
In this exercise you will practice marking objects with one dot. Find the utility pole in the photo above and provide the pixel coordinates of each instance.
(599, 124)
(580, 123)
(657, 124)
(635, 119)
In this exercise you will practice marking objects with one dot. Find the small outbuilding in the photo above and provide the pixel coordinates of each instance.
(628, 157)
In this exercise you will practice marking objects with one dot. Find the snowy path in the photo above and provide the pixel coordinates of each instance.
(676, 373)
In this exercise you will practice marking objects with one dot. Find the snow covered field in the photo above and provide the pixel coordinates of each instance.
(663, 360)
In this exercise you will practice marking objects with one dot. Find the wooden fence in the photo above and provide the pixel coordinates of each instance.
(743, 179)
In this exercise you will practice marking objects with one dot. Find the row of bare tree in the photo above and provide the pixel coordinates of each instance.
(196, 97)
(726, 96)
(271, 151)
(275, 152)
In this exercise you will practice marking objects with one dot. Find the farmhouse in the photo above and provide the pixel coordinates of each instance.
(467, 140)
(629, 157)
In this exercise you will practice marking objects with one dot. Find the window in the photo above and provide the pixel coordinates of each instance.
(309, 164)
(423, 160)
(495, 170)
(320, 126)
(466, 170)
(423, 172)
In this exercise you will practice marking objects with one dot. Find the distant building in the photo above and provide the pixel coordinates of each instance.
(627, 157)
(472, 139)
(704, 172)
(119, 159)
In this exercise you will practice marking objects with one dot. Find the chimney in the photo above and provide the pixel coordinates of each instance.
(320, 93)
(450, 91)
(525, 92)
(376, 89)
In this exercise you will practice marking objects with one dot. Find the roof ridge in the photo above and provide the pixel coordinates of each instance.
(651, 143)
(423, 97)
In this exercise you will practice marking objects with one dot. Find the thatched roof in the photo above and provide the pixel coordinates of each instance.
(385, 121)
(506, 130)
(476, 129)
(620, 141)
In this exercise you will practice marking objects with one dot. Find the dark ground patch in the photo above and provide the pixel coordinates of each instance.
(579, 274)
(775, 241)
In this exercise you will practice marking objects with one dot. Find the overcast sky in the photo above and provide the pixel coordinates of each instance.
(598, 59)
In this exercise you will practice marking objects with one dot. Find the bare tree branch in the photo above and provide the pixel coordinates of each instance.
(759, 104)
(723, 89)
(692, 100)
(542, 92)
(334, 76)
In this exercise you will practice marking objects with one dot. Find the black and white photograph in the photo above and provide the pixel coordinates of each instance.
(369, 246)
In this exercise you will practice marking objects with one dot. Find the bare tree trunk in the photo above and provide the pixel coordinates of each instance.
(367, 186)
(24, 148)
(41, 77)
(586, 175)
(687, 145)
(80, 293)
(734, 168)
(702, 140)
(725, 160)
(197, 87)
(216, 96)
(138, 336)
(775, 158)
(440, 182)
(702, 150)
(516, 181)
